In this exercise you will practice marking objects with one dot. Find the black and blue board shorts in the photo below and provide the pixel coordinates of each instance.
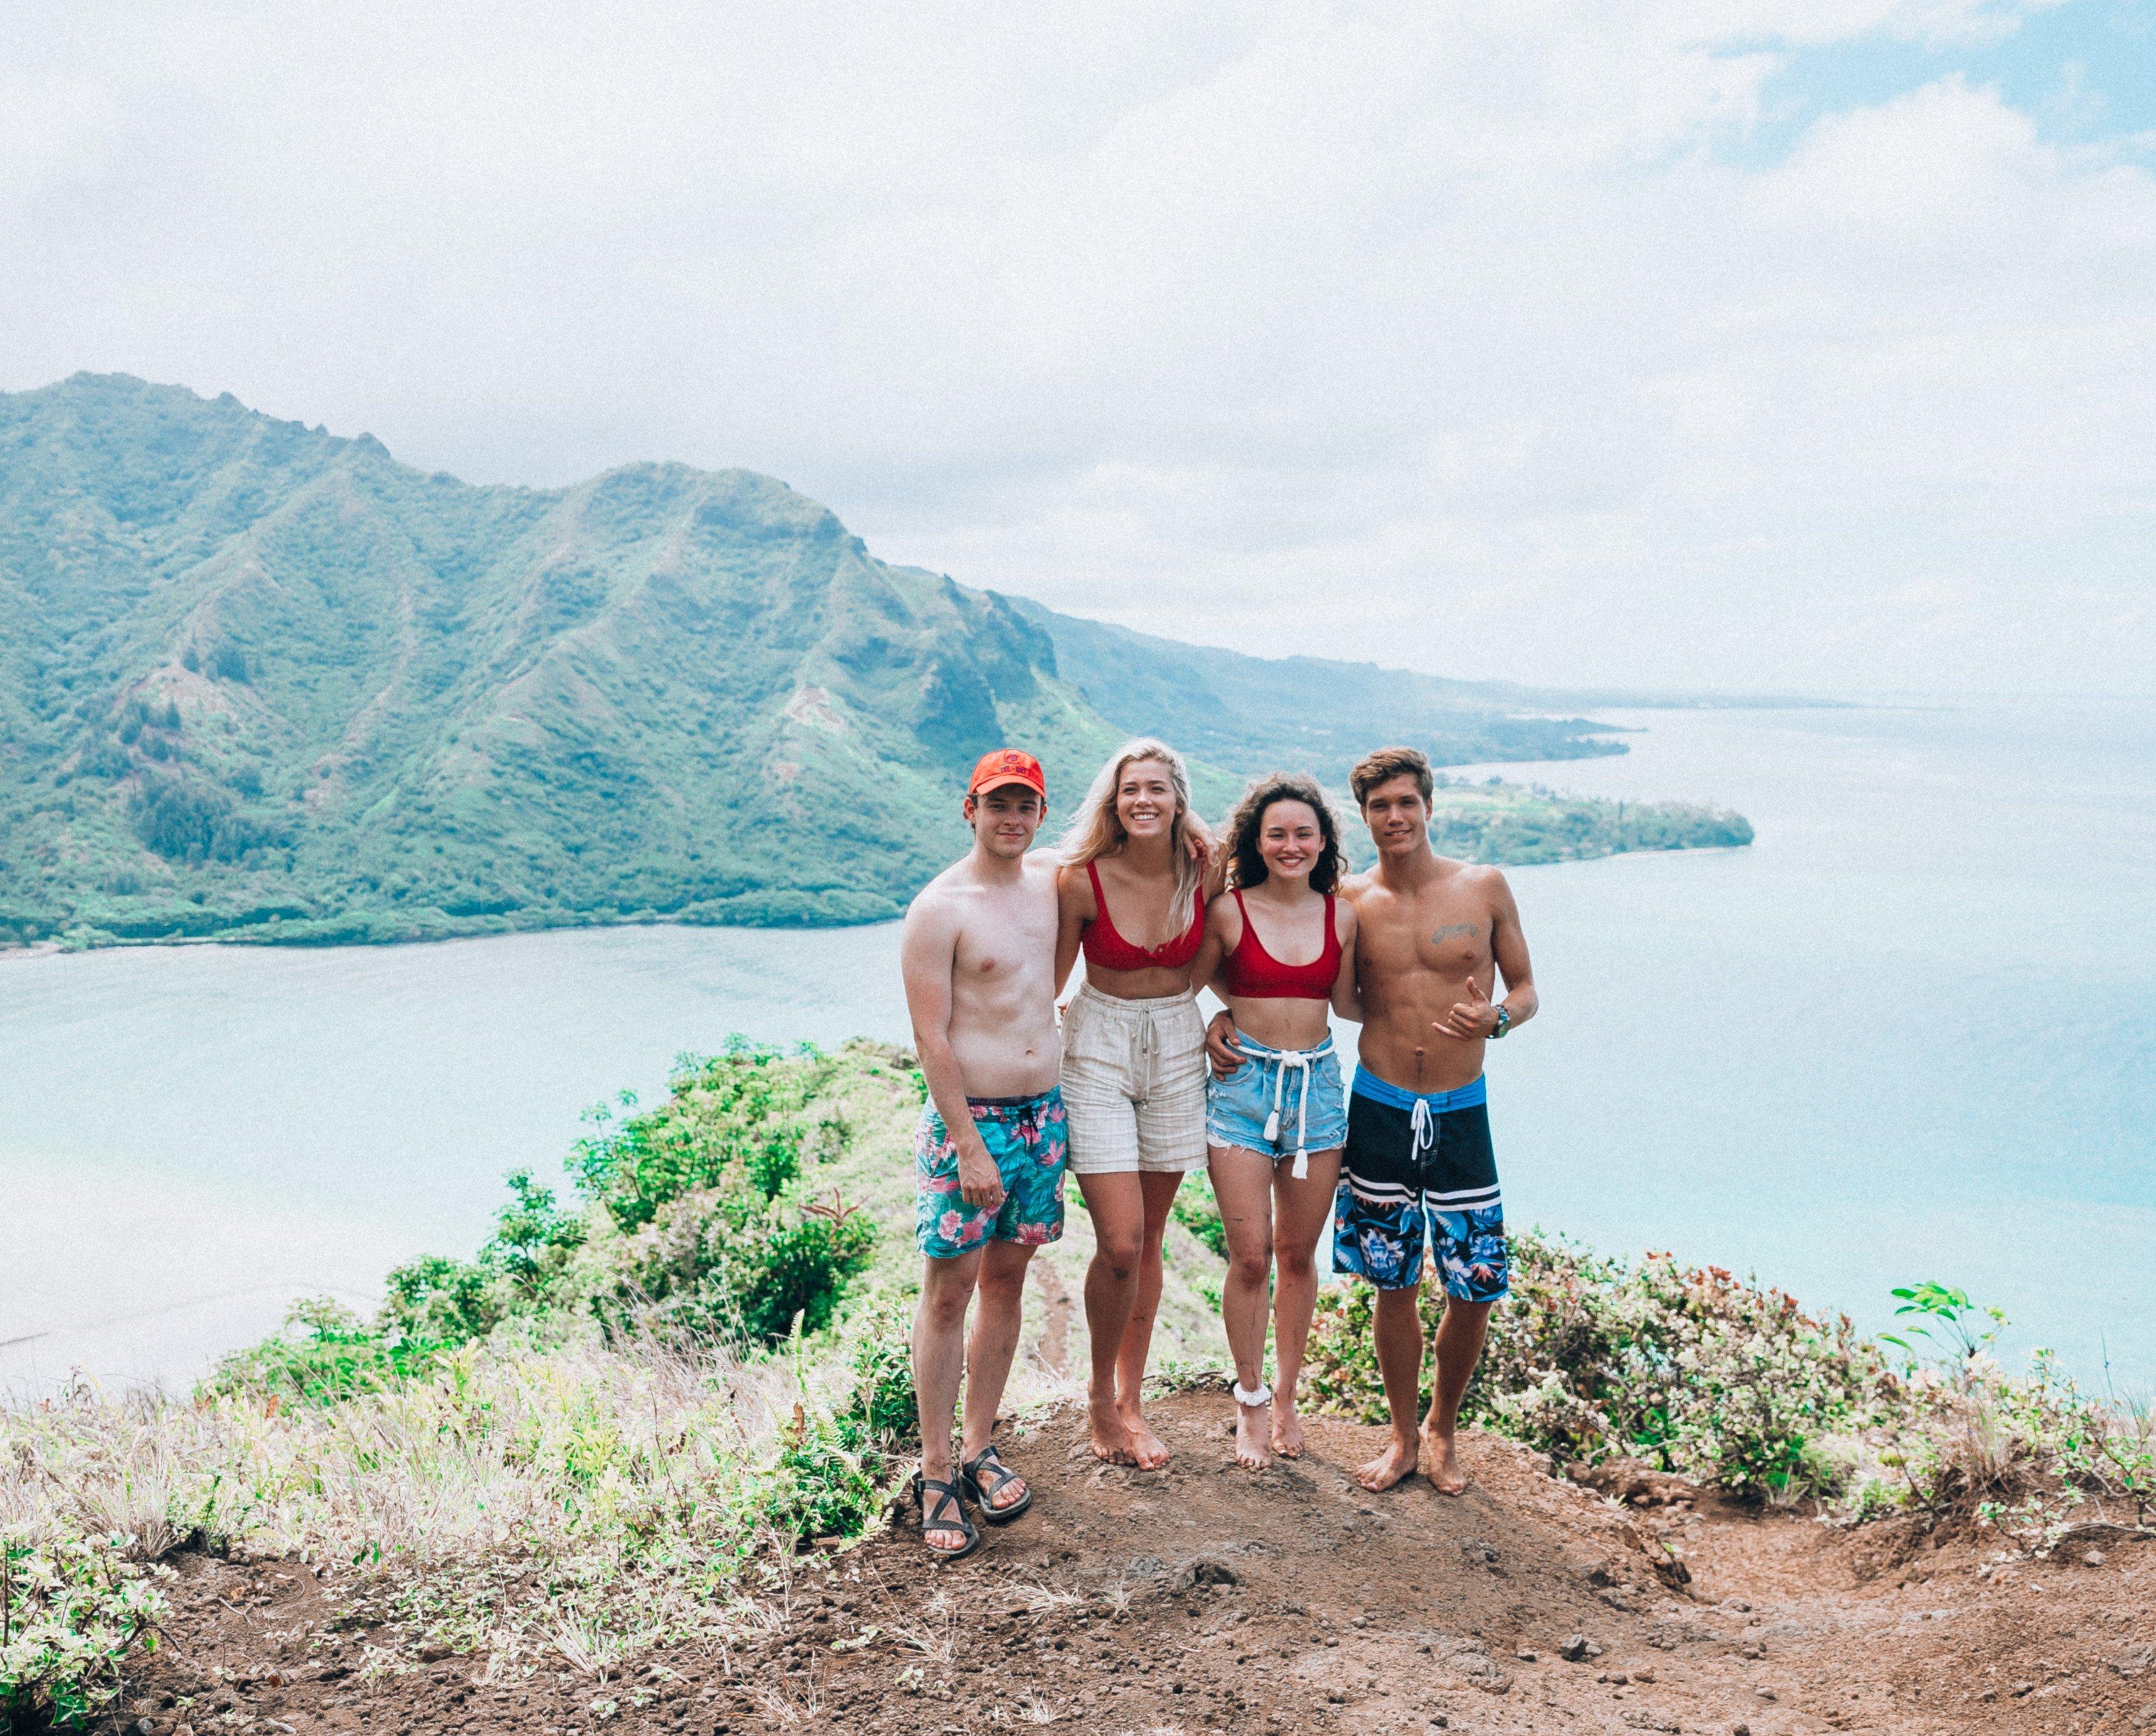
(1420, 1166)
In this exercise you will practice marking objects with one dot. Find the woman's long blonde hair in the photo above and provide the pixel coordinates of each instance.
(1097, 829)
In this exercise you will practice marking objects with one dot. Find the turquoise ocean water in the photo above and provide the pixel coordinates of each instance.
(1906, 1034)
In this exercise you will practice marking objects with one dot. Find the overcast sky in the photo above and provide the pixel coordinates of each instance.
(1800, 344)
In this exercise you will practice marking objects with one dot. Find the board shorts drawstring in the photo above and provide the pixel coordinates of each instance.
(1424, 1125)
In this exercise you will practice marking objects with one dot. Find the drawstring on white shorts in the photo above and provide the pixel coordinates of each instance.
(1145, 1050)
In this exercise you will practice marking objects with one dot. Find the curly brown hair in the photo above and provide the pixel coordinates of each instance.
(1245, 866)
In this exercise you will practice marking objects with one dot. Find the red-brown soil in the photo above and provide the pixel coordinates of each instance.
(1204, 1597)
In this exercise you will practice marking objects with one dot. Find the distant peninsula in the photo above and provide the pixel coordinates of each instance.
(261, 683)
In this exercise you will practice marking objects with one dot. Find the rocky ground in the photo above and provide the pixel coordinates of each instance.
(1206, 1598)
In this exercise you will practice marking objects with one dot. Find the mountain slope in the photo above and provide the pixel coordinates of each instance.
(258, 681)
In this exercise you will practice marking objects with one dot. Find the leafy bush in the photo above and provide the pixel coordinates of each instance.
(71, 1611)
(435, 1301)
(882, 1409)
(323, 1353)
(186, 821)
(817, 1487)
(727, 1233)
(741, 1115)
(1590, 1358)
(2025, 1457)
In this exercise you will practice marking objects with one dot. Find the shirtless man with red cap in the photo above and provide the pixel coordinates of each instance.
(978, 953)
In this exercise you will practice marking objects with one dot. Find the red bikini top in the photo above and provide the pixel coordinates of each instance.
(1106, 950)
(1254, 973)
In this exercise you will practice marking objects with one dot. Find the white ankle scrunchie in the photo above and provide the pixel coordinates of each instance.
(1246, 1395)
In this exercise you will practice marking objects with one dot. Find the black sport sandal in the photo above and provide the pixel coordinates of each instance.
(984, 1475)
(937, 1501)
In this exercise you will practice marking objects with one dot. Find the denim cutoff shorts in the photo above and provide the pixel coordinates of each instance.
(1311, 1101)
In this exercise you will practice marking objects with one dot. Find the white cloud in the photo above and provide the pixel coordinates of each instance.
(1446, 333)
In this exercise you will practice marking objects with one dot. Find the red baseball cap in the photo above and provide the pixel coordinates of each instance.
(1007, 765)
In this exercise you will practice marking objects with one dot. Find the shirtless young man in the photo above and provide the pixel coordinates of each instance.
(978, 953)
(1430, 931)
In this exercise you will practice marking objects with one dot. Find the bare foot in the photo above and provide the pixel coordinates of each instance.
(1251, 1451)
(1151, 1451)
(1111, 1440)
(1287, 1428)
(1396, 1461)
(1442, 1464)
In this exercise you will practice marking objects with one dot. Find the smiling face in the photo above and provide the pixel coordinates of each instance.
(1399, 817)
(1289, 840)
(1004, 818)
(1145, 800)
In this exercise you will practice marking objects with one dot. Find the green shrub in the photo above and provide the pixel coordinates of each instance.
(436, 1301)
(71, 1611)
(728, 1234)
(817, 1487)
(323, 1353)
(1690, 1369)
(882, 1408)
(740, 1119)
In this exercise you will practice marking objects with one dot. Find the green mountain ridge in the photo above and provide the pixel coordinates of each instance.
(259, 681)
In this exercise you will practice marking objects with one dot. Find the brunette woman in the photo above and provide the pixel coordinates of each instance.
(1133, 899)
(1275, 1126)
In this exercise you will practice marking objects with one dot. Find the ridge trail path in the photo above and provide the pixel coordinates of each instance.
(1206, 1598)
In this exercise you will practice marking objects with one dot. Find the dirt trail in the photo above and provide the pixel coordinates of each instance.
(1206, 1598)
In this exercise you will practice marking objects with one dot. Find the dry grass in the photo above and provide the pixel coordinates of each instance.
(581, 1500)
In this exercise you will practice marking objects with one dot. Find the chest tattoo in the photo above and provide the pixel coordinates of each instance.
(1464, 931)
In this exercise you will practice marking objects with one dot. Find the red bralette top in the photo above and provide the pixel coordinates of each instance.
(1252, 972)
(1106, 950)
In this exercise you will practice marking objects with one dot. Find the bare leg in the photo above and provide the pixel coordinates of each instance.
(1116, 1206)
(1157, 1189)
(989, 1350)
(1399, 1360)
(1304, 1213)
(939, 1340)
(1459, 1336)
(1243, 1184)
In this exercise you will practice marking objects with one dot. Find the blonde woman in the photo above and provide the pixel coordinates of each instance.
(1131, 895)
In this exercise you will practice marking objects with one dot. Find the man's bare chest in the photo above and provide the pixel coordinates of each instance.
(1446, 933)
(998, 947)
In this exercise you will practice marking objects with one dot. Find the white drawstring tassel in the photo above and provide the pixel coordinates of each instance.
(1302, 1125)
(1280, 1083)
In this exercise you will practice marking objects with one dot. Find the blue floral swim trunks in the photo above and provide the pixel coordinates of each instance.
(1030, 1138)
(1416, 1166)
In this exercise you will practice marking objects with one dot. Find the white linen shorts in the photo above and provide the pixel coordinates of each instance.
(1134, 1083)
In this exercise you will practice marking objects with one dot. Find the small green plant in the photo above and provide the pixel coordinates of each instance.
(883, 1408)
(1947, 1320)
(71, 1611)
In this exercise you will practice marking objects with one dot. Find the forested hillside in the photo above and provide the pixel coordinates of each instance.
(261, 681)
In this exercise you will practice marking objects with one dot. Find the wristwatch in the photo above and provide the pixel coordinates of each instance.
(1504, 1022)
